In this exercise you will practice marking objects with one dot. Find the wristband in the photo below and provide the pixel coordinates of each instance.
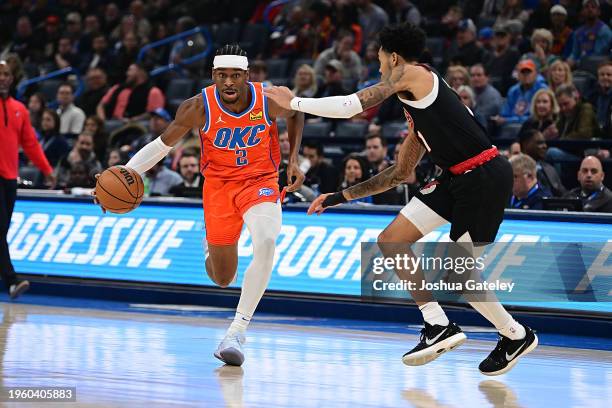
(334, 199)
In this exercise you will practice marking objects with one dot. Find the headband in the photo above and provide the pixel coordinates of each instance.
(231, 61)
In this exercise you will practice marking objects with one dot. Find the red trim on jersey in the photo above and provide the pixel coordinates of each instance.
(473, 162)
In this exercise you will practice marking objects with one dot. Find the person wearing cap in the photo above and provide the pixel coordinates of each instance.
(561, 31)
(485, 38)
(518, 101)
(504, 58)
(159, 119)
(592, 38)
(133, 99)
(465, 50)
(342, 51)
(333, 80)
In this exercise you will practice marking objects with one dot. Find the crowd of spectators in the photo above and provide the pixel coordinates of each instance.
(534, 74)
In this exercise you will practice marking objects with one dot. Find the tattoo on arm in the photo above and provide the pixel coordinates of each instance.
(375, 94)
(410, 155)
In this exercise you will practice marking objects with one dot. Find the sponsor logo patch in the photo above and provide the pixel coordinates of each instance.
(256, 115)
(265, 192)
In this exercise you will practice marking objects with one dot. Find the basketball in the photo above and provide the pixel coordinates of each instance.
(119, 189)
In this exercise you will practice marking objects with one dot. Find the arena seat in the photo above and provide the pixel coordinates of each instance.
(177, 91)
(352, 129)
(277, 67)
(391, 130)
(589, 64)
(49, 88)
(317, 129)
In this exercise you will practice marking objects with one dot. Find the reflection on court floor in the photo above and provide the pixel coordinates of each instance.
(117, 358)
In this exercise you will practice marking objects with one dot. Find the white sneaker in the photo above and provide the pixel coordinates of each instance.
(18, 288)
(230, 349)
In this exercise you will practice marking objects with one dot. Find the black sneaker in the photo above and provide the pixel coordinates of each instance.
(16, 289)
(435, 340)
(506, 354)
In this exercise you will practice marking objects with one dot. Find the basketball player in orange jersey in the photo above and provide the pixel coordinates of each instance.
(240, 158)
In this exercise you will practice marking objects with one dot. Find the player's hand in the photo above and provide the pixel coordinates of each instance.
(295, 177)
(50, 181)
(317, 205)
(95, 199)
(281, 95)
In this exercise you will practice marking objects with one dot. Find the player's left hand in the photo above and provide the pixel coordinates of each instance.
(295, 177)
(281, 95)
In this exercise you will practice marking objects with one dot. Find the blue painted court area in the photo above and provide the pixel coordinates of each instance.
(120, 354)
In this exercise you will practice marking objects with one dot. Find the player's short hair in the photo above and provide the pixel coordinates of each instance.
(407, 40)
(371, 136)
(231, 49)
(312, 144)
(523, 164)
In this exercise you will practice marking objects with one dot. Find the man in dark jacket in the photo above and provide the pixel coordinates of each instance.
(527, 193)
(534, 145)
(594, 195)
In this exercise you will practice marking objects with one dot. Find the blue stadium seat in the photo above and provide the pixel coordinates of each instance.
(49, 88)
(277, 67)
(180, 88)
(254, 39)
(280, 81)
(318, 129)
(589, 64)
(391, 130)
(352, 129)
(509, 131)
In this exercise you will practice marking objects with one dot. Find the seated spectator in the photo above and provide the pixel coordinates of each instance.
(601, 98)
(541, 44)
(376, 154)
(79, 176)
(133, 99)
(159, 119)
(348, 61)
(100, 56)
(594, 195)
(544, 112)
(527, 194)
(592, 38)
(533, 144)
(333, 80)
(321, 177)
(465, 50)
(82, 152)
(116, 157)
(305, 82)
(457, 75)
(73, 29)
(485, 38)
(372, 18)
(193, 181)
(65, 56)
(95, 127)
(504, 58)
(468, 98)
(96, 89)
(16, 66)
(71, 117)
(401, 11)
(159, 180)
(488, 100)
(512, 10)
(36, 107)
(559, 73)
(125, 56)
(371, 66)
(188, 47)
(258, 72)
(53, 143)
(516, 108)
(354, 172)
(561, 31)
(304, 193)
(577, 120)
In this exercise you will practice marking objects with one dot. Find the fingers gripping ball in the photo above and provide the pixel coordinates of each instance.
(119, 189)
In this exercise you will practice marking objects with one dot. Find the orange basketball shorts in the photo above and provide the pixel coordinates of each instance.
(225, 202)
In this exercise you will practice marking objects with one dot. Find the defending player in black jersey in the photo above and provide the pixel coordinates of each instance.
(471, 194)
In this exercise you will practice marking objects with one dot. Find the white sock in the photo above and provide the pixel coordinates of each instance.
(433, 314)
(500, 318)
(240, 324)
(264, 223)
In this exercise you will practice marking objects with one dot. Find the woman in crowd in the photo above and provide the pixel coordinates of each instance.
(354, 172)
(305, 82)
(469, 99)
(544, 114)
(36, 106)
(95, 126)
(457, 75)
(541, 44)
(53, 143)
(559, 73)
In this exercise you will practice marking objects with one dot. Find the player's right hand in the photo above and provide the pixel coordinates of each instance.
(317, 205)
(281, 95)
(95, 199)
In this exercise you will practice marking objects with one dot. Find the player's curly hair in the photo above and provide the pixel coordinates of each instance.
(231, 49)
(407, 40)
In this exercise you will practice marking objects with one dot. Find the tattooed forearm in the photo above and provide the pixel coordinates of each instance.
(410, 155)
(375, 94)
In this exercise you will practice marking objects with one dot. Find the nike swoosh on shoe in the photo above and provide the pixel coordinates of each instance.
(432, 341)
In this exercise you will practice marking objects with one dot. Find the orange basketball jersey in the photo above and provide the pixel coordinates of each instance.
(238, 145)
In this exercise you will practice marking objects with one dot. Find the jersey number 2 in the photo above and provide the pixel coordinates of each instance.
(241, 159)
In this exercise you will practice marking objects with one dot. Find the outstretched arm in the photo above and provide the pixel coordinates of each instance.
(190, 114)
(409, 156)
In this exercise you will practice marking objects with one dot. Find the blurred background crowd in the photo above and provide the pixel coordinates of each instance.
(536, 74)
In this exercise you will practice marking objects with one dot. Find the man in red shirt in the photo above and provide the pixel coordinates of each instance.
(15, 130)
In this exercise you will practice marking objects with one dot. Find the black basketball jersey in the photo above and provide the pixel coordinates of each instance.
(445, 126)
